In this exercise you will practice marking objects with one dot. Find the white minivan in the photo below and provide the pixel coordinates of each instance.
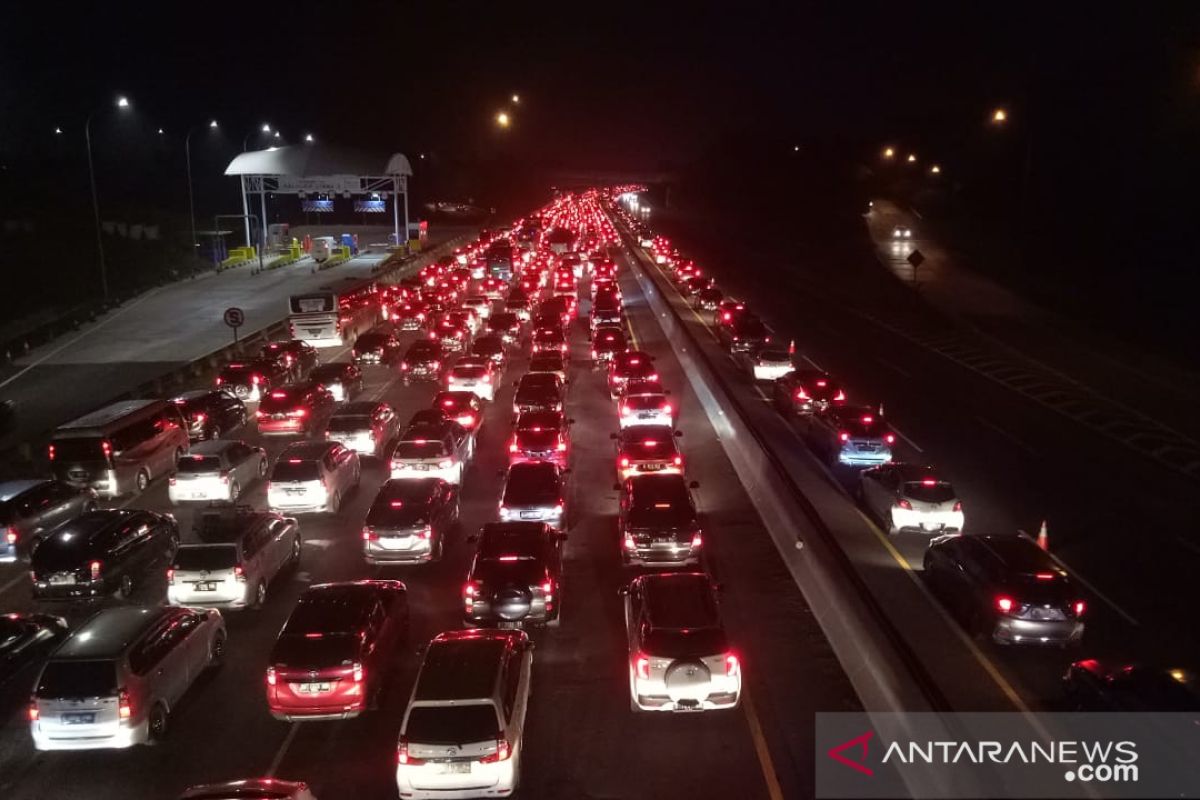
(322, 248)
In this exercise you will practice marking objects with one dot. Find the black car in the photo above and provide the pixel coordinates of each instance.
(658, 523)
(507, 325)
(490, 346)
(422, 362)
(103, 552)
(298, 356)
(515, 577)
(250, 380)
(707, 299)
(376, 347)
(428, 416)
(26, 639)
(806, 391)
(1092, 685)
(1006, 588)
(30, 509)
(538, 391)
(210, 412)
(746, 334)
(343, 379)
(410, 521)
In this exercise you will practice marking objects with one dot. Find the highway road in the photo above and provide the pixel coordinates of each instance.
(583, 741)
(1120, 517)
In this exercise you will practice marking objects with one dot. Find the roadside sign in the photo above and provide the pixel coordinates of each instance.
(915, 258)
(234, 317)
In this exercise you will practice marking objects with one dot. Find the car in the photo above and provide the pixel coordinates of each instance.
(294, 409)
(479, 304)
(601, 317)
(1094, 685)
(250, 380)
(26, 639)
(1005, 588)
(216, 471)
(250, 789)
(563, 308)
(32, 507)
(115, 680)
(538, 391)
(641, 407)
(313, 477)
(298, 356)
(746, 334)
(337, 651)
(343, 380)
(728, 310)
(552, 363)
(658, 524)
(238, 554)
(492, 288)
(375, 347)
(549, 340)
(910, 497)
(851, 435)
(464, 728)
(708, 299)
(535, 491)
(807, 391)
(101, 552)
(647, 449)
(472, 376)
(607, 342)
(506, 325)
(454, 337)
(466, 318)
(491, 346)
(765, 363)
(679, 654)
(541, 436)
(409, 315)
(520, 306)
(367, 427)
(433, 451)
(515, 578)
(422, 362)
(630, 365)
(210, 412)
(409, 521)
(465, 408)
(902, 232)
(694, 284)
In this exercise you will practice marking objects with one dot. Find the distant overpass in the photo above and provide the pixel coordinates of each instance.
(570, 179)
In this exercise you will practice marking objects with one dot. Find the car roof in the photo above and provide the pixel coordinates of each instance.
(107, 634)
(308, 451)
(197, 394)
(426, 430)
(334, 368)
(211, 447)
(681, 600)
(462, 665)
(108, 414)
(10, 489)
(637, 433)
(1018, 553)
(87, 525)
(497, 537)
(253, 788)
(914, 472)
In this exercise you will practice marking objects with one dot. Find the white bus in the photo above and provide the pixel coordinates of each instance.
(329, 318)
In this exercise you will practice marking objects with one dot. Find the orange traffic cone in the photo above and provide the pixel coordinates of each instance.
(792, 347)
(1043, 539)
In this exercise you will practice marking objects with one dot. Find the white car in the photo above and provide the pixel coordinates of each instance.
(911, 497)
(679, 655)
(475, 376)
(767, 364)
(646, 409)
(479, 304)
(432, 451)
(218, 470)
(313, 476)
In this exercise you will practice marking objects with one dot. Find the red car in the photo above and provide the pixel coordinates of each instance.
(337, 649)
(607, 341)
(297, 408)
(540, 436)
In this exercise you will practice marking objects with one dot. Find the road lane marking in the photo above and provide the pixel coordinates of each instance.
(1091, 588)
(13, 582)
(910, 442)
(1010, 437)
(774, 791)
(812, 363)
(893, 367)
(283, 748)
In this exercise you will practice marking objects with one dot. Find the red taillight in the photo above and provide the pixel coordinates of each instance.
(626, 411)
(667, 408)
(845, 437)
(50, 452)
(958, 505)
(641, 663)
(502, 752)
(106, 447)
(171, 575)
(512, 446)
(624, 462)
(840, 397)
(561, 446)
(801, 394)
(1079, 607)
(10, 535)
(358, 672)
(402, 756)
(219, 380)
(697, 540)
(732, 665)
(902, 503)
(239, 573)
(124, 709)
(94, 569)
(298, 413)
(890, 438)
(679, 461)
(1004, 604)
(255, 380)
(629, 543)
(369, 535)
(34, 712)
(199, 418)
(270, 676)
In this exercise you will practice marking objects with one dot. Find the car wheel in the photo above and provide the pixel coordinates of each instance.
(156, 724)
(260, 596)
(297, 549)
(216, 651)
(125, 588)
(262, 468)
(142, 481)
(335, 503)
(235, 491)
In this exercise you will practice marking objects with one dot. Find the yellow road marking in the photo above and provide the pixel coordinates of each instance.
(774, 791)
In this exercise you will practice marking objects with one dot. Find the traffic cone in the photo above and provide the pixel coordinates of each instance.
(1043, 539)
(881, 409)
(792, 347)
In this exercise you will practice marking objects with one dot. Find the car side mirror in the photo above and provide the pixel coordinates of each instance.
(694, 485)
(623, 591)
(616, 487)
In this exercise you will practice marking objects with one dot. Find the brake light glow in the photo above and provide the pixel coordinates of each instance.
(171, 575)
(840, 397)
(94, 570)
(641, 663)
(278, 395)
(270, 676)
(679, 461)
(958, 505)
(697, 540)
(50, 452)
(359, 673)
(845, 437)
(929, 481)
(402, 756)
(732, 665)
(1004, 604)
(503, 751)
(1044, 576)
(624, 462)
(124, 709)
(34, 712)
(890, 438)
(902, 503)
(1079, 607)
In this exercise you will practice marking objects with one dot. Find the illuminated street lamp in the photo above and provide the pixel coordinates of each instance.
(246, 139)
(58, 131)
(912, 158)
(889, 152)
(999, 116)
(122, 102)
(502, 119)
(516, 98)
(935, 170)
(308, 137)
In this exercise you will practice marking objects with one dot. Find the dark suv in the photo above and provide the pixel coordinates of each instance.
(103, 551)
(210, 412)
(422, 362)
(515, 578)
(658, 522)
(409, 521)
(250, 380)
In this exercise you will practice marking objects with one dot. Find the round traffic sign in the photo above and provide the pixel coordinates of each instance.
(234, 317)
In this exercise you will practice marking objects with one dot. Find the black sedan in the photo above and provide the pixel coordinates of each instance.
(210, 412)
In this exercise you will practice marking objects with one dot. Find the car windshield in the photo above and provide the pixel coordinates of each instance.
(780, 356)
(287, 470)
(458, 724)
(425, 448)
(68, 679)
(191, 465)
(346, 423)
(205, 557)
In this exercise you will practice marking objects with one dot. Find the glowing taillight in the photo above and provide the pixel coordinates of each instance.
(50, 452)
(10, 535)
(34, 712)
(958, 505)
(890, 438)
(667, 408)
(358, 672)
(697, 540)
(503, 751)
(629, 543)
(904, 504)
(624, 462)
(1004, 604)
(512, 446)
(1079, 607)
(271, 676)
(679, 461)
(641, 664)
(171, 575)
(801, 394)
(239, 573)
(845, 437)
(732, 665)
(402, 756)
(369, 535)
(124, 709)
(561, 446)
(94, 570)
(840, 397)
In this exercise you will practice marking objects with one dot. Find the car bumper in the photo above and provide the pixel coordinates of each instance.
(484, 780)
(664, 556)
(857, 459)
(634, 420)
(316, 714)
(1020, 631)
(298, 504)
(285, 428)
(648, 469)
(182, 596)
(419, 551)
(771, 373)
(73, 591)
(450, 475)
(929, 523)
(363, 445)
(91, 737)
(715, 701)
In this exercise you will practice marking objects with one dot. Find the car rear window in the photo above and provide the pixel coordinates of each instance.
(452, 724)
(470, 373)
(190, 465)
(316, 651)
(287, 470)
(350, 422)
(79, 449)
(63, 679)
(774, 355)
(280, 400)
(937, 493)
(529, 487)
(198, 558)
(680, 643)
(370, 341)
(429, 448)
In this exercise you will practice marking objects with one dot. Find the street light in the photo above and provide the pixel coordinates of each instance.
(122, 102)
(912, 158)
(999, 116)
(935, 170)
(889, 152)
(308, 137)
(246, 139)
(58, 131)
(516, 98)
(502, 119)
(187, 152)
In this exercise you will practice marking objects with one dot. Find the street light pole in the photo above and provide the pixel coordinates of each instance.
(187, 152)
(87, 137)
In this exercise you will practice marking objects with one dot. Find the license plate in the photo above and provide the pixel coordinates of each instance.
(79, 718)
(294, 491)
(421, 467)
(198, 495)
(664, 540)
(531, 514)
(206, 586)
(645, 414)
(650, 467)
(396, 542)
(313, 331)
(467, 384)
(62, 580)
(456, 768)
(313, 688)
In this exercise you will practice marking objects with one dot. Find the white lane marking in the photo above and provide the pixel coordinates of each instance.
(893, 367)
(14, 582)
(90, 330)
(283, 748)
(762, 394)
(910, 442)
(812, 363)
(1010, 437)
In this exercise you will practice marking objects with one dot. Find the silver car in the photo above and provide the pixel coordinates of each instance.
(218, 470)
(114, 682)
(251, 789)
(313, 476)
(241, 551)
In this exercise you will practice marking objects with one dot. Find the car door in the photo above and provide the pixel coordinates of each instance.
(186, 653)
(168, 672)
(278, 540)
(233, 412)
